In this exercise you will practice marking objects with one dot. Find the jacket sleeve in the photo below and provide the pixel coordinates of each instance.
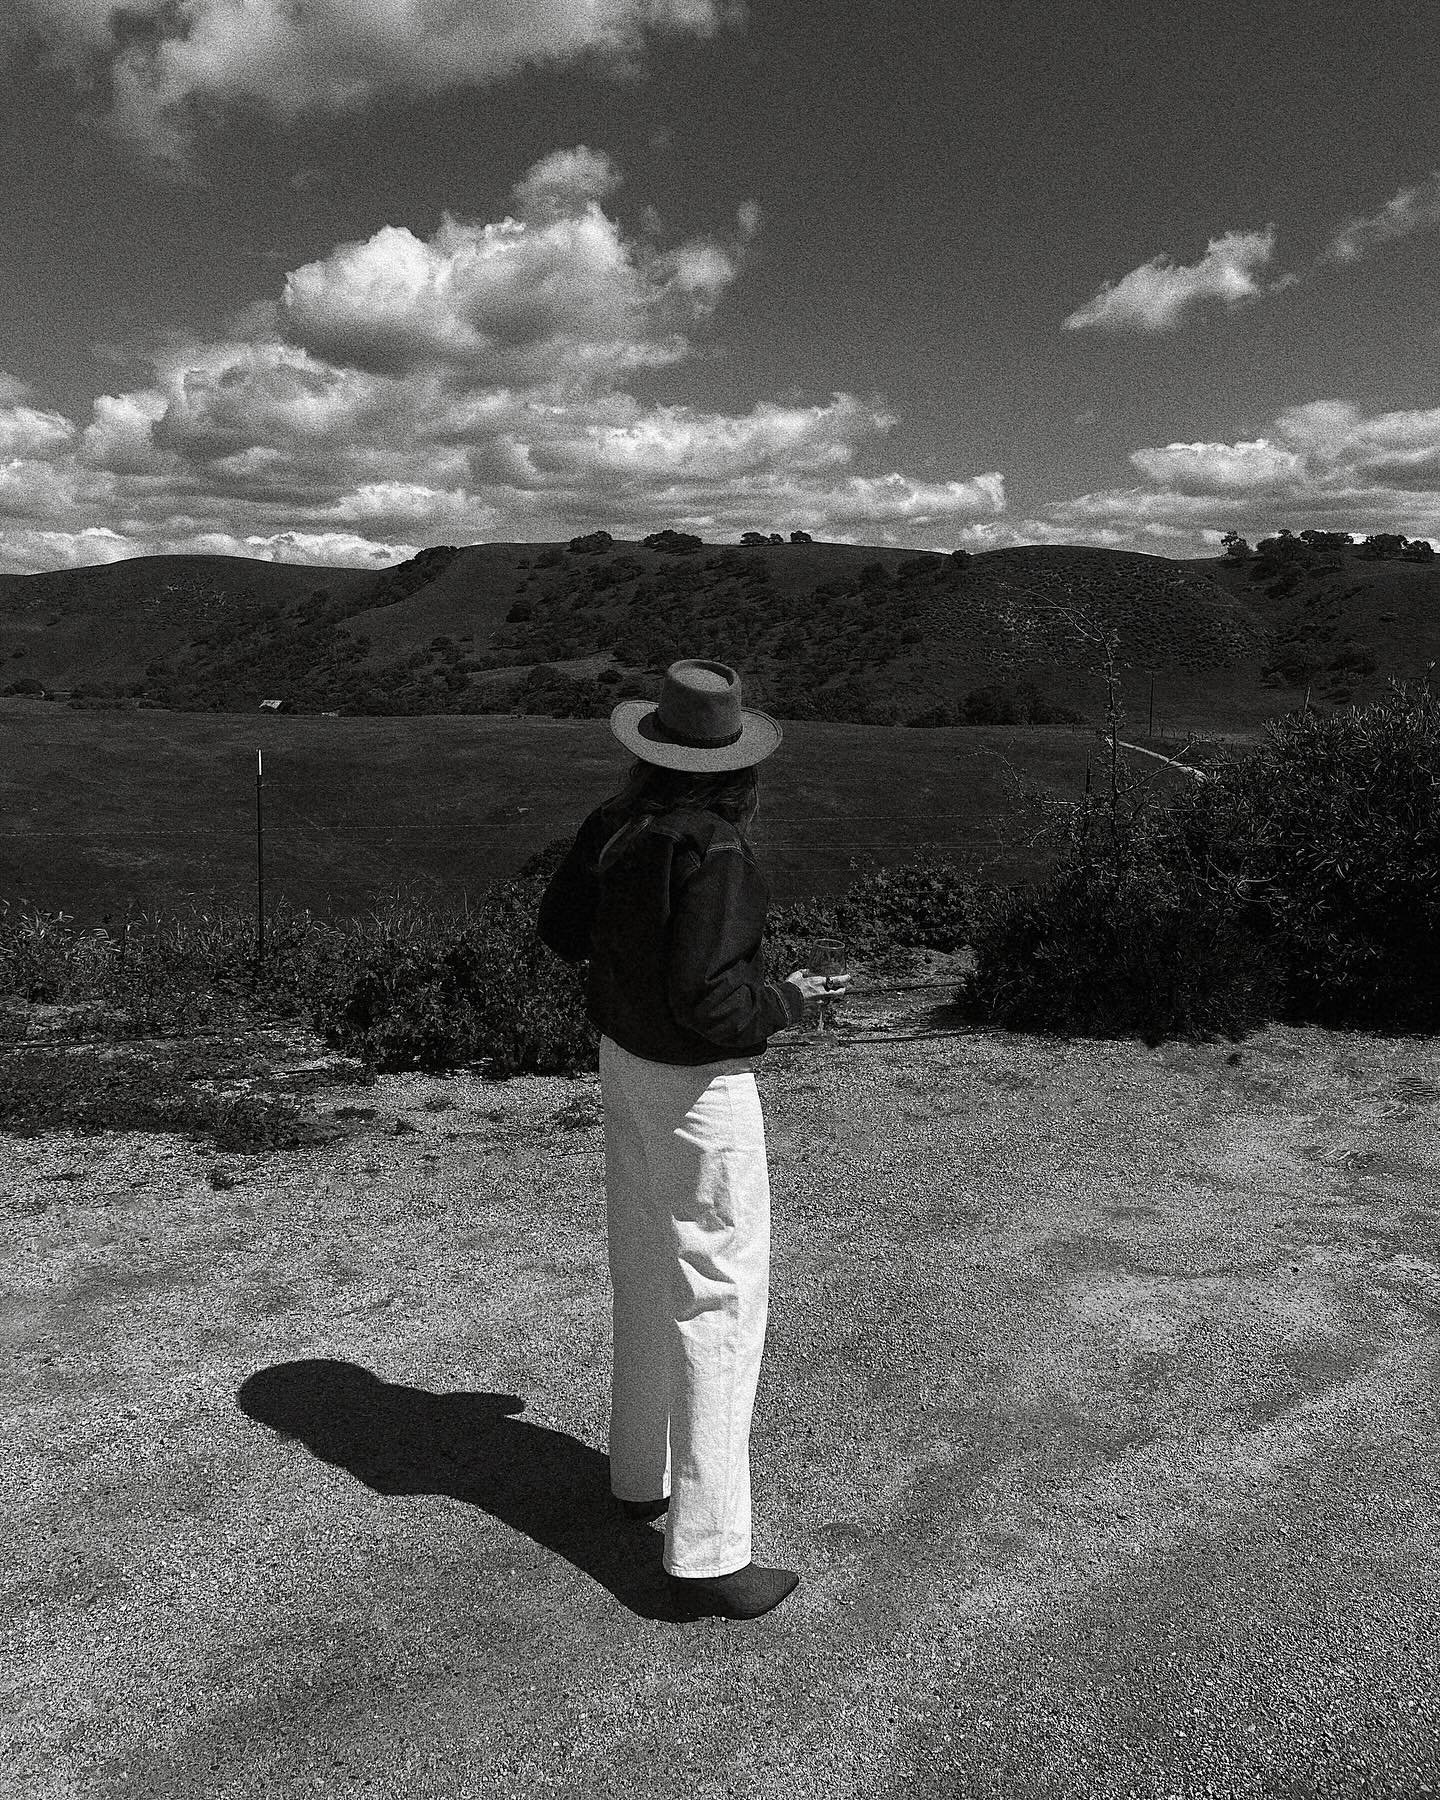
(567, 907)
(716, 928)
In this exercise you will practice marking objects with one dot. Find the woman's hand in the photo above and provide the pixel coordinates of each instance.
(821, 987)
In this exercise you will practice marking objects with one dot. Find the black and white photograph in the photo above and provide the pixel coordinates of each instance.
(719, 900)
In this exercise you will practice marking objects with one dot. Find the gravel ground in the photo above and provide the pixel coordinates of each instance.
(1098, 1414)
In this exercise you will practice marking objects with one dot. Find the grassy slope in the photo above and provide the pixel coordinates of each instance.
(161, 805)
(798, 619)
(1393, 607)
(106, 623)
(158, 806)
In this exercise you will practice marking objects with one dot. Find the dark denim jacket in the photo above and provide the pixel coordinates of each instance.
(672, 930)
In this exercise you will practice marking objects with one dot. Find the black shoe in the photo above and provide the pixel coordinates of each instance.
(744, 1594)
(645, 1509)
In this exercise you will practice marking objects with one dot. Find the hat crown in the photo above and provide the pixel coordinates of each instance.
(698, 722)
(700, 704)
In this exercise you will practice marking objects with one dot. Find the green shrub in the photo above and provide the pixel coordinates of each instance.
(1301, 882)
(1103, 952)
(150, 974)
(923, 904)
(432, 991)
(678, 543)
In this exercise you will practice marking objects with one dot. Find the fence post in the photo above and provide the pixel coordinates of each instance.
(259, 859)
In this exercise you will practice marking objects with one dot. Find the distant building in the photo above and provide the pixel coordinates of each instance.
(274, 706)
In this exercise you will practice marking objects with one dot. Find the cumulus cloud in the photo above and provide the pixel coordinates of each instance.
(161, 60)
(475, 384)
(29, 551)
(28, 431)
(1157, 295)
(1413, 209)
(1243, 468)
(1324, 465)
(559, 288)
(564, 183)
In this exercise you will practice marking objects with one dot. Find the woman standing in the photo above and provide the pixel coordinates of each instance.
(661, 892)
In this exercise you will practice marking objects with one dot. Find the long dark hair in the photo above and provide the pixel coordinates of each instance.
(650, 791)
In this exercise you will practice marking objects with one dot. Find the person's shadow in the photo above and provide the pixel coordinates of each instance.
(405, 1440)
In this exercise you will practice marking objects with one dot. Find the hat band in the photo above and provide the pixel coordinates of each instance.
(671, 736)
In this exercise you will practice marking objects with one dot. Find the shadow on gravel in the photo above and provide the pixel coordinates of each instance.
(405, 1440)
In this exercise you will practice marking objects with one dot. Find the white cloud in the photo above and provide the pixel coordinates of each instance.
(27, 431)
(1323, 465)
(472, 385)
(562, 184)
(627, 443)
(1413, 209)
(121, 436)
(1219, 468)
(1157, 295)
(24, 550)
(14, 391)
(890, 500)
(28, 551)
(557, 290)
(164, 58)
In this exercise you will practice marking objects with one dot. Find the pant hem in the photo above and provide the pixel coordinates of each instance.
(706, 1574)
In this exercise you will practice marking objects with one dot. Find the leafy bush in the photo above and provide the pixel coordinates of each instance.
(1354, 659)
(432, 992)
(995, 704)
(923, 904)
(150, 973)
(1294, 661)
(1105, 952)
(1301, 881)
(592, 543)
(678, 543)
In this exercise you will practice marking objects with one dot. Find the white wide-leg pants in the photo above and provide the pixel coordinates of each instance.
(688, 1201)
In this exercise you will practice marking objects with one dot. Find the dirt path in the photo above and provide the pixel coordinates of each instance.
(1099, 1414)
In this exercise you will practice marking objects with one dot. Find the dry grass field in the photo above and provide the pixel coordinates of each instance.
(158, 808)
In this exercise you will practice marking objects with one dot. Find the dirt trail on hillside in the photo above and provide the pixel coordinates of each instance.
(1098, 1413)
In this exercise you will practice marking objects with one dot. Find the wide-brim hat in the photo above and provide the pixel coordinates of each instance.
(697, 723)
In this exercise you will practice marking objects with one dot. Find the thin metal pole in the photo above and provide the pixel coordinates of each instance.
(259, 858)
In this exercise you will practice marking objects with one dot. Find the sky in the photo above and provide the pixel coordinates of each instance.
(328, 281)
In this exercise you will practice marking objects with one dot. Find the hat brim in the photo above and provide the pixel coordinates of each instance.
(632, 722)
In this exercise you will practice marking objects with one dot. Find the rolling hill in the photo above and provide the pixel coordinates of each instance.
(141, 790)
(822, 631)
